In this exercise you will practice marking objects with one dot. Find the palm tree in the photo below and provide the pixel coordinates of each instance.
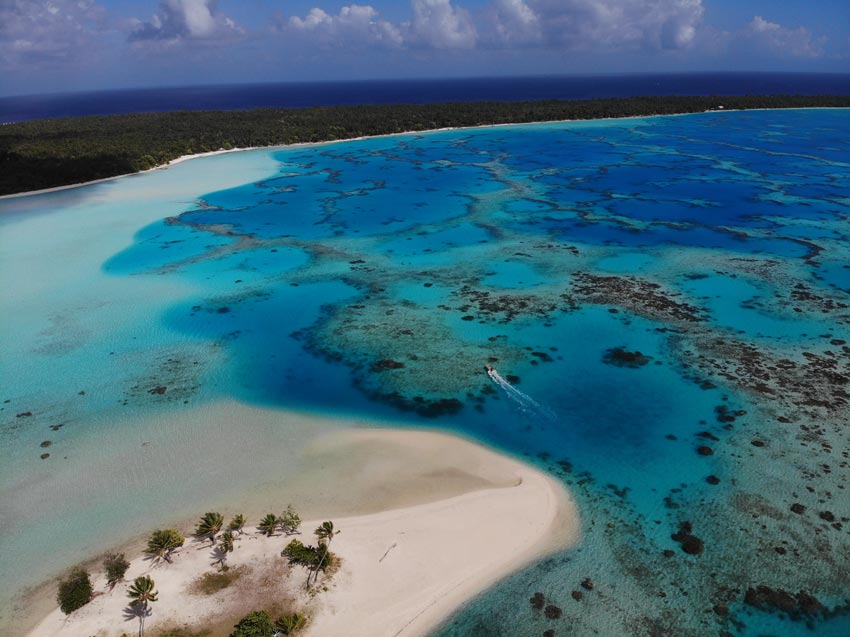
(227, 541)
(224, 547)
(141, 594)
(237, 523)
(268, 524)
(210, 524)
(163, 542)
(288, 624)
(325, 533)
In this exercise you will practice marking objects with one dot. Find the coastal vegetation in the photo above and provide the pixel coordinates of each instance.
(209, 525)
(317, 558)
(75, 591)
(268, 525)
(256, 624)
(163, 542)
(290, 521)
(324, 533)
(142, 594)
(237, 523)
(115, 565)
(288, 624)
(259, 624)
(56, 152)
(224, 548)
(302, 555)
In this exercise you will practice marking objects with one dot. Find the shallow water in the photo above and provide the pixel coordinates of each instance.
(618, 273)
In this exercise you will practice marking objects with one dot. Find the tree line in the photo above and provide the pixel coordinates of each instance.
(56, 152)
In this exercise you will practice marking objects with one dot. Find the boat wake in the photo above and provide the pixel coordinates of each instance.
(523, 401)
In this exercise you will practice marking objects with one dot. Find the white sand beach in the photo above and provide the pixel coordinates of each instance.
(403, 570)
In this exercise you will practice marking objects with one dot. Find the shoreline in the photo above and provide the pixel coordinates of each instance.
(212, 153)
(430, 567)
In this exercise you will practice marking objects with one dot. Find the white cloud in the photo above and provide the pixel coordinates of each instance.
(513, 21)
(580, 25)
(353, 24)
(441, 25)
(433, 24)
(178, 20)
(588, 25)
(781, 40)
(34, 32)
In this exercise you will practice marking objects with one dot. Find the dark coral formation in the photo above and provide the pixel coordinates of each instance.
(552, 612)
(173, 377)
(538, 601)
(386, 364)
(505, 307)
(621, 357)
(428, 407)
(799, 606)
(690, 543)
(820, 381)
(637, 295)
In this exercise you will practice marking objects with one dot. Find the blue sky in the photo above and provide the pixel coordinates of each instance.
(59, 45)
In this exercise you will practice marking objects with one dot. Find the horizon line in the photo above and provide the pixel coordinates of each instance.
(542, 76)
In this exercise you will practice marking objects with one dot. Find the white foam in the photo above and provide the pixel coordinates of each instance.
(526, 403)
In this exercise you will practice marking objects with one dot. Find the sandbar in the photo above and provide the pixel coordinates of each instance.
(403, 570)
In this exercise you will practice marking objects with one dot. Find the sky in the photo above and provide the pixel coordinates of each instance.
(49, 46)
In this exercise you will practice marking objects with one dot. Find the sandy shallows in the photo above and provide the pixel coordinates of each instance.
(480, 516)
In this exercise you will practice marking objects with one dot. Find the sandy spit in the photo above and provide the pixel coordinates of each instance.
(403, 570)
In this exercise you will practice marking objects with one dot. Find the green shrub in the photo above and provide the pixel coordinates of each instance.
(116, 566)
(75, 591)
(290, 521)
(257, 624)
(298, 553)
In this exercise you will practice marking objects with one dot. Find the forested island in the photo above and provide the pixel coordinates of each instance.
(58, 152)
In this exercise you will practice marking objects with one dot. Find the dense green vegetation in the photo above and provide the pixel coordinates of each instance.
(259, 624)
(75, 591)
(47, 153)
(314, 558)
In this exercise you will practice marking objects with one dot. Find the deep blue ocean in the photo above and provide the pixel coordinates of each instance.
(419, 91)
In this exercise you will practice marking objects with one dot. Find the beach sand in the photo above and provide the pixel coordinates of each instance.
(454, 518)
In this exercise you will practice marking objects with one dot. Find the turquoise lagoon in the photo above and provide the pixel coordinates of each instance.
(670, 296)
